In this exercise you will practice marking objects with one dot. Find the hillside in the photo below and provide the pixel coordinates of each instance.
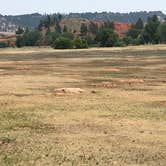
(6, 25)
(131, 17)
(74, 26)
(10, 23)
(121, 28)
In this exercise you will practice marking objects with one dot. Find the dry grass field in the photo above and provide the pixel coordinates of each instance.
(117, 117)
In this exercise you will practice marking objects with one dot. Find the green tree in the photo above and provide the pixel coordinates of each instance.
(109, 24)
(19, 31)
(65, 29)
(20, 41)
(84, 29)
(93, 28)
(47, 21)
(60, 17)
(162, 33)
(139, 24)
(127, 40)
(63, 43)
(51, 37)
(150, 33)
(68, 35)
(40, 26)
(58, 28)
(80, 43)
(90, 40)
(4, 45)
(134, 33)
(32, 38)
(107, 38)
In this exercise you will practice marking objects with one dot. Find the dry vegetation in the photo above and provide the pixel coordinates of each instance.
(116, 117)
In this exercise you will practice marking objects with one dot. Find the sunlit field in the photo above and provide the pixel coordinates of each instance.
(83, 107)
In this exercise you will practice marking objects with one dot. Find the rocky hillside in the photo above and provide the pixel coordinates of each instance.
(74, 24)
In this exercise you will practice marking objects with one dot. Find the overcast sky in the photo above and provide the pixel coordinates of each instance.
(14, 7)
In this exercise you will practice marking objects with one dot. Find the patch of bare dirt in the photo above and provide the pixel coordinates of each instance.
(112, 69)
(131, 81)
(162, 102)
(105, 84)
(68, 91)
(72, 91)
(73, 76)
(23, 68)
(115, 84)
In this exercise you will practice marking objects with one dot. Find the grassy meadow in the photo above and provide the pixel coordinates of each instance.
(119, 119)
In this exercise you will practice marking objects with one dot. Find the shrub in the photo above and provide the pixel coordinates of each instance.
(133, 33)
(90, 40)
(63, 43)
(20, 42)
(107, 38)
(127, 40)
(162, 33)
(80, 43)
(3, 45)
(51, 37)
(68, 35)
(32, 38)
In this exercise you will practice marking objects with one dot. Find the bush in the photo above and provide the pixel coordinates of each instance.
(127, 40)
(130, 41)
(51, 37)
(80, 43)
(32, 38)
(119, 43)
(68, 35)
(137, 42)
(150, 32)
(3, 45)
(162, 33)
(63, 43)
(20, 42)
(107, 38)
(133, 33)
(90, 40)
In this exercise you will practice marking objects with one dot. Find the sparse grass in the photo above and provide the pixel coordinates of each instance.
(121, 125)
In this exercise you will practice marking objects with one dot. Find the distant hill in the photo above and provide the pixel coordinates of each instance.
(10, 23)
(74, 26)
(131, 17)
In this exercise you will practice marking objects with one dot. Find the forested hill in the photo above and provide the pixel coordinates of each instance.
(9, 23)
(131, 17)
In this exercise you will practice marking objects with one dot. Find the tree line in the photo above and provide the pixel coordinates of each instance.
(151, 32)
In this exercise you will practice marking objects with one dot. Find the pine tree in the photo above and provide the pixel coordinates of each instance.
(84, 29)
(139, 24)
(65, 29)
(19, 31)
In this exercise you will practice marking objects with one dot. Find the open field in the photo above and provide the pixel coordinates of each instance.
(118, 119)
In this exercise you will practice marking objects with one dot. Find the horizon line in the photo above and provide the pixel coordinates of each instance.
(82, 12)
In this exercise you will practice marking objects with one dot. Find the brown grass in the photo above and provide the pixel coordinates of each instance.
(113, 123)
